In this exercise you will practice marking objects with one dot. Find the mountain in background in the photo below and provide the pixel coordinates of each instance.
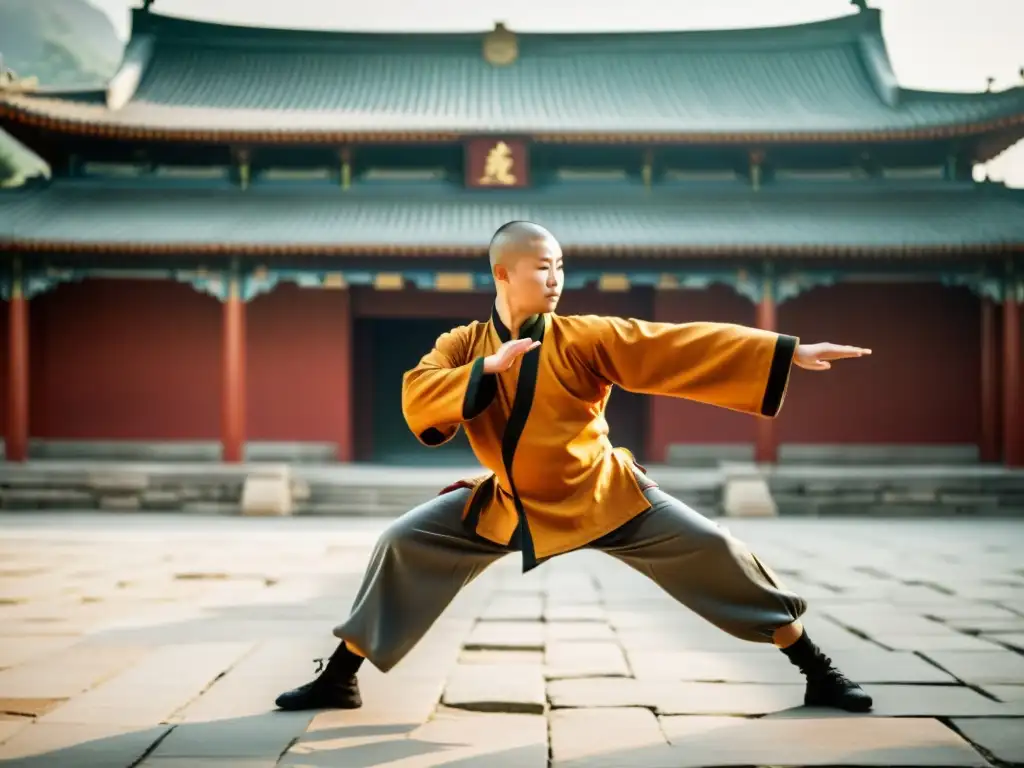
(65, 43)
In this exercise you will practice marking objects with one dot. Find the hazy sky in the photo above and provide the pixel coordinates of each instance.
(949, 45)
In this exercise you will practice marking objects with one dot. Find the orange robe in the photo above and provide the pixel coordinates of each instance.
(554, 480)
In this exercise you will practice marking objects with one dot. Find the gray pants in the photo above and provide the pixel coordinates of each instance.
(426, 556)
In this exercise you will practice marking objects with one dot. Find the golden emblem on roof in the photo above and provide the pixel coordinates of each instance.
(499, 166)
(500, 46)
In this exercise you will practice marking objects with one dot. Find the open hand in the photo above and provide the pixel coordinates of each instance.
(507, 353)
(818, 357)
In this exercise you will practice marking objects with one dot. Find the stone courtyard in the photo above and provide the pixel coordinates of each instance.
(161, 641)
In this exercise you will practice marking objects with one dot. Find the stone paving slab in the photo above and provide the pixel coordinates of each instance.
(770, 666)
(111, 595)
(574, 612)
(208, 762)
(451, 738)
(565, 659)
(169, 678)
(998, 737)
(1008, 693)
(18, 650)
(496, 688)
(999, 666)
(514, 608)
(586, 736)
(10, 727)
(805, 741)
(557, 631)
(256, 737)
(81, 746)
(932, 643)
(506, 635)
(66, 673)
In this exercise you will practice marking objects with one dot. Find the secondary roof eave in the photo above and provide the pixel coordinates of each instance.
(1006, 130)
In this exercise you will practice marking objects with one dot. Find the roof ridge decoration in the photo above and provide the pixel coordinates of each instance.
(501, 47)
(124, 83)
(875, 54)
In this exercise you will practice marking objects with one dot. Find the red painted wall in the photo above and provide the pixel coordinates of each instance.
(921, 384)
(4, 326)
(680, 421)
(298, 347)
(124, 359)
(118, 359)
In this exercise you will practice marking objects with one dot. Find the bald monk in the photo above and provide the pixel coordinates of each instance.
(530, 388)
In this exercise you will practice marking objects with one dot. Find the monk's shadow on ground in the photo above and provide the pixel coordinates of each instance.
(206, 743)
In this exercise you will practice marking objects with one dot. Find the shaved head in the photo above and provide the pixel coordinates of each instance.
(515, 239)
(526, 264)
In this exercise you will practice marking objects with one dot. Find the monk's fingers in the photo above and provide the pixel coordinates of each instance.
(839, 352)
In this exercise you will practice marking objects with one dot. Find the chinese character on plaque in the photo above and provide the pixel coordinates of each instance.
(496, 163)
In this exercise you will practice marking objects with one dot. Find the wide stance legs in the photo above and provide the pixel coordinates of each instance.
(425, 557)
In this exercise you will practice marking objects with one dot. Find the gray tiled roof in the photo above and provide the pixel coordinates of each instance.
(823, 78)
(853, 216)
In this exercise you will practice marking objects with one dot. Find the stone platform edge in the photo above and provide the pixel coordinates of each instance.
(377, 490)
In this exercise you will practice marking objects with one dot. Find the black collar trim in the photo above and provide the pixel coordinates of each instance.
(529, 329)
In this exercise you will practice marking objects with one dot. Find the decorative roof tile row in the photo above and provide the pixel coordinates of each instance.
(857, 218)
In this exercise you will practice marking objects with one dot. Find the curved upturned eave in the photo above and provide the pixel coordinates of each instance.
(185, 135)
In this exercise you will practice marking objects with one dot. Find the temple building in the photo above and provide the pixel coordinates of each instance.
(236, 248)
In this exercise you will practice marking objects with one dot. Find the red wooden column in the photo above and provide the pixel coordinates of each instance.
(17, 371)
(233, 383)
(346, 438)
(1013, 429)
(989, 447)
(766, 446)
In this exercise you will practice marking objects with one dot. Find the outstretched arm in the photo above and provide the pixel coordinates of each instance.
(446, 389)
(731, 366)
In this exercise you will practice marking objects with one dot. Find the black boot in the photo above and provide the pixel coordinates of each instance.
(826, 685)
(335, 688)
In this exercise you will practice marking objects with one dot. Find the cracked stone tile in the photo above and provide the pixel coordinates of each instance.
(1007, 693)
(514, 608)
(1013, 641)
(954, 641)
(555, 631)
(150, 691)
(452, 737)
(1004, 738)
(18, 650)
(534, 658)
(990, 626)
(591, 736)
(584, 659)
(255, 737)
(67, 673)
(574, 612)
(496, 688)
(81, 746)
(505, 635)
(933, 701)
(999, 666)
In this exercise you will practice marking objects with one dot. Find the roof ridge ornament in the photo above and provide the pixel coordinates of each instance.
(501, 46)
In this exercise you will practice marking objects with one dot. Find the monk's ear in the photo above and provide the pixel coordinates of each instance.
(500, 273)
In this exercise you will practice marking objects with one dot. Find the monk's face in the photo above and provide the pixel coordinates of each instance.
(535, 278)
